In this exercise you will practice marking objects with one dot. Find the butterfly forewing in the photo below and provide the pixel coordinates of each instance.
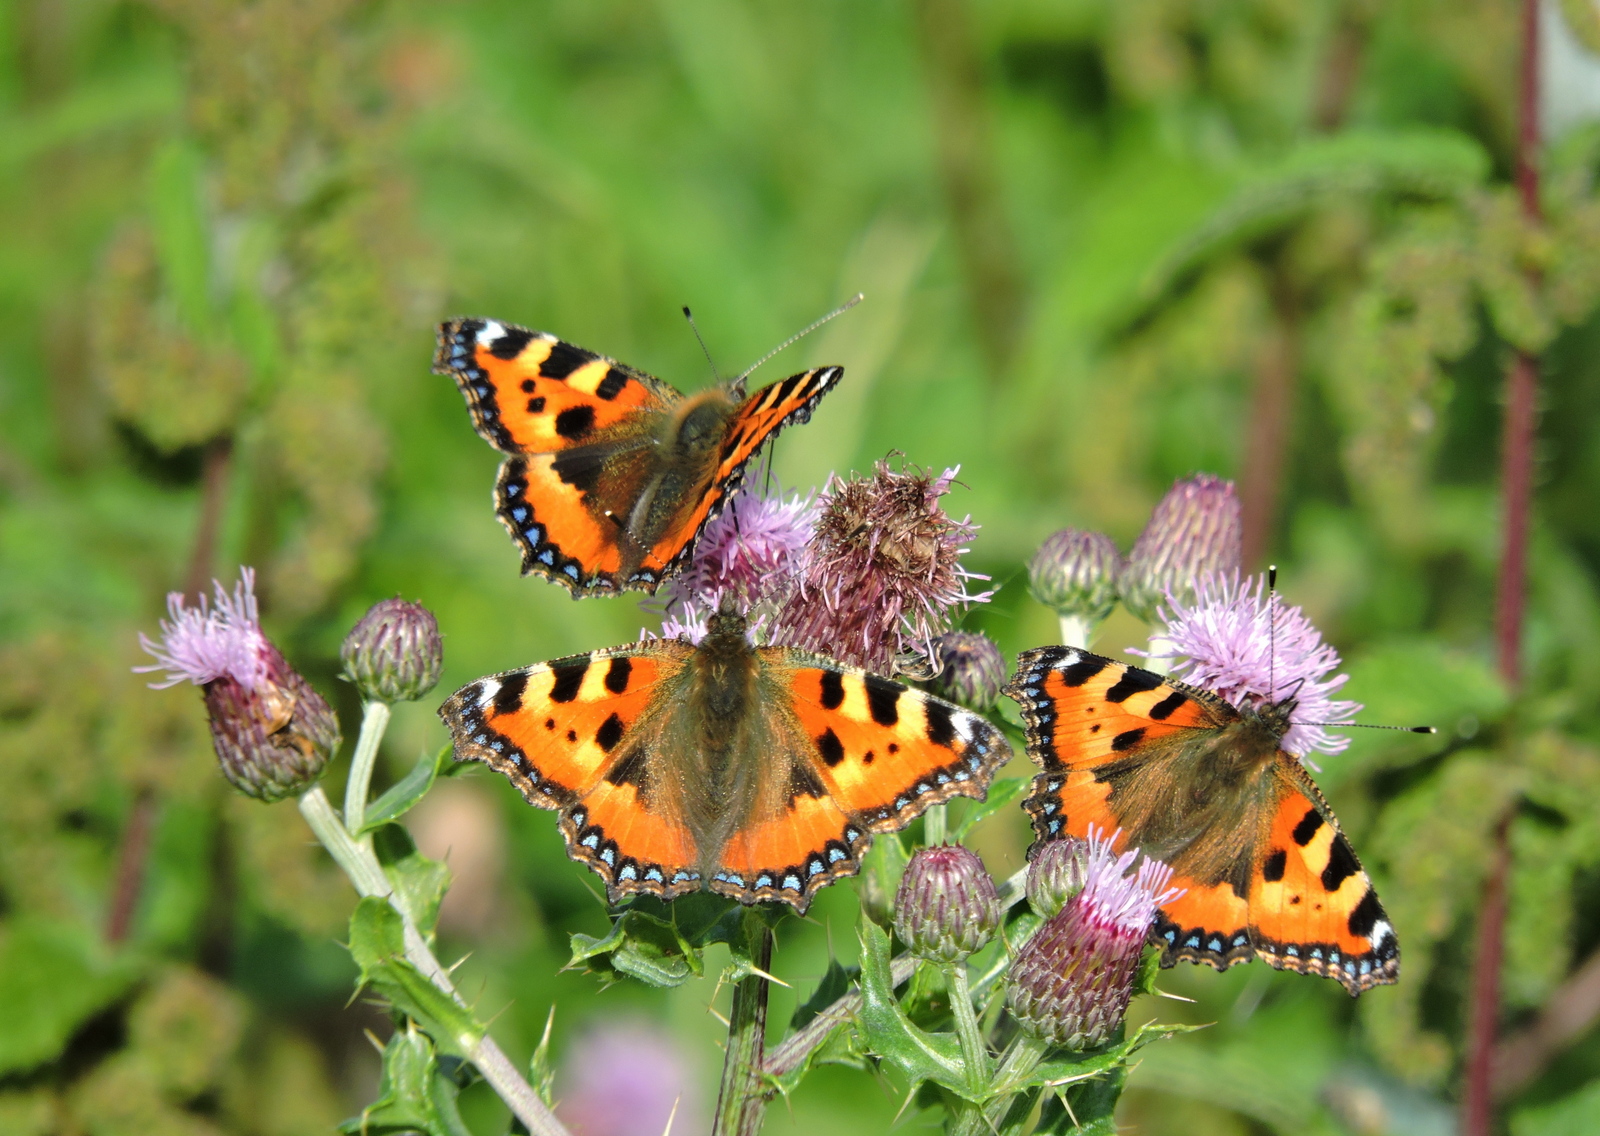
(1189, 779)
(610, 478)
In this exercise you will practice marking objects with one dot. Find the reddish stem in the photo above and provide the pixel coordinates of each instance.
(1516, 479)
(1267, 437)
(131, 854)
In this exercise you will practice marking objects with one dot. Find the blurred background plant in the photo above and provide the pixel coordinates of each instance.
(1104, 245)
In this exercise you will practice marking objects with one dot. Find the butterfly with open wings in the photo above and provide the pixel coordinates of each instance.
(612, 473)
(759, 773)
(1205, 786)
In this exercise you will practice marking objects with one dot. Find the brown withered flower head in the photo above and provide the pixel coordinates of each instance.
(882, 574)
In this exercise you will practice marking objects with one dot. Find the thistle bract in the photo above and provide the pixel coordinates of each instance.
(1070, 983)
(947, 906)
(1197, 528)
(971, 669)
(393, 654)
(1056, 874)
(272, 732)
(1075, 573)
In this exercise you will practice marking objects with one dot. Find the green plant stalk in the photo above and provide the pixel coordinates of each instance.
(1000, 1115)
(741, 1099)
(374, 721)
(1076, 631)
(359, 863)
(1160, 648)
(934, 826)
(974, 1051)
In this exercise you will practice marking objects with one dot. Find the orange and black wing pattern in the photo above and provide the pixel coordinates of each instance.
(573, 734)
(867, 755)
(1281, 884)
(531, 393)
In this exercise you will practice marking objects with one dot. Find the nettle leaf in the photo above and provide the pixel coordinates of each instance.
(1002, 794)
(890, 1035)
(639, 945)
(419, 883)
(377, 943)
(404, 794)
(414, 1095)
(53, 978)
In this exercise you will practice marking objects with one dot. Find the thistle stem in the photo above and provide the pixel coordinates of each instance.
(741, 1099)
(362, 867)
(934, 827)
(374, 721)
(1076, 631)
(1160, 659)
(973, 1049)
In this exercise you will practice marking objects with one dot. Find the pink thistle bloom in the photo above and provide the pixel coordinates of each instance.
(272, 732)
(752, 549)
(1071, 982)
(204, 643)
(1198, 527)
(882, 572)
(1251, 648)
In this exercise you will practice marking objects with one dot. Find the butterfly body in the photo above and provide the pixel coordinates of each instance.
(1206, 787)
(611, 473)
(760, 773)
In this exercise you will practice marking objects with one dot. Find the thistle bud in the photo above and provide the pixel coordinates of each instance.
(947, 906)
(1075, 573)
(273, 733)
(971, 669)
(1056, 874)
(273, 740)
(1071, 982)
(1195, 529)
(393, 654)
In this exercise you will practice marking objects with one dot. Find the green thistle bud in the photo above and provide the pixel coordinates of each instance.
(1197, 528)
(971, 669)
(1075, 573)
(393, 654)
(1056, 874)
(947, 906)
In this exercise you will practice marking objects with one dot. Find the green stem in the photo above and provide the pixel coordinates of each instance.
(973, 1049)
(934, 828)
(741, 1099)
(1160, 660)
(374, 721)
(1009, 1110)
(364, 871)
(1076, 631)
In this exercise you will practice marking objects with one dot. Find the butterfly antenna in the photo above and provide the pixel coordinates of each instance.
(688, 315)
(840, 310)
(1272, 631)
(1370, 726)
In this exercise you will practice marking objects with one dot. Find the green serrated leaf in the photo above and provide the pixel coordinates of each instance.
(377, 943)
(1002, 794)
(419, 883)
(835, 984)
(402, 795)
(890, 1035)
(414, 1094)
(641, 946)
(1069, 1068)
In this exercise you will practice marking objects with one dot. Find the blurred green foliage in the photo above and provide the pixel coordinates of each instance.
(1094, 236)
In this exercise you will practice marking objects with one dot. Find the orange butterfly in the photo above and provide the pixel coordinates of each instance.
(757, 772)
(1206, 787)
(612, 473)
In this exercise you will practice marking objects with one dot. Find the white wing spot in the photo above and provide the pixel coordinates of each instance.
(491, 331)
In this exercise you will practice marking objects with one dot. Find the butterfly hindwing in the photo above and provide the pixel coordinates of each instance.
(1124, 748)
(571, 734)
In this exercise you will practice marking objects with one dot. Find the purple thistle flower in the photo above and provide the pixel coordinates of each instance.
(393, 653)
(1071, 982)
(1198, 527)
(971, 669)
(752, 549)
(272, 732)
(947, 906)
(1227, 642)
(623, 1079)
(204, 643)
(882, 572)
(1075, 574)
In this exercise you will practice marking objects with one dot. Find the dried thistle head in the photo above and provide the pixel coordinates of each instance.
(882, 572)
